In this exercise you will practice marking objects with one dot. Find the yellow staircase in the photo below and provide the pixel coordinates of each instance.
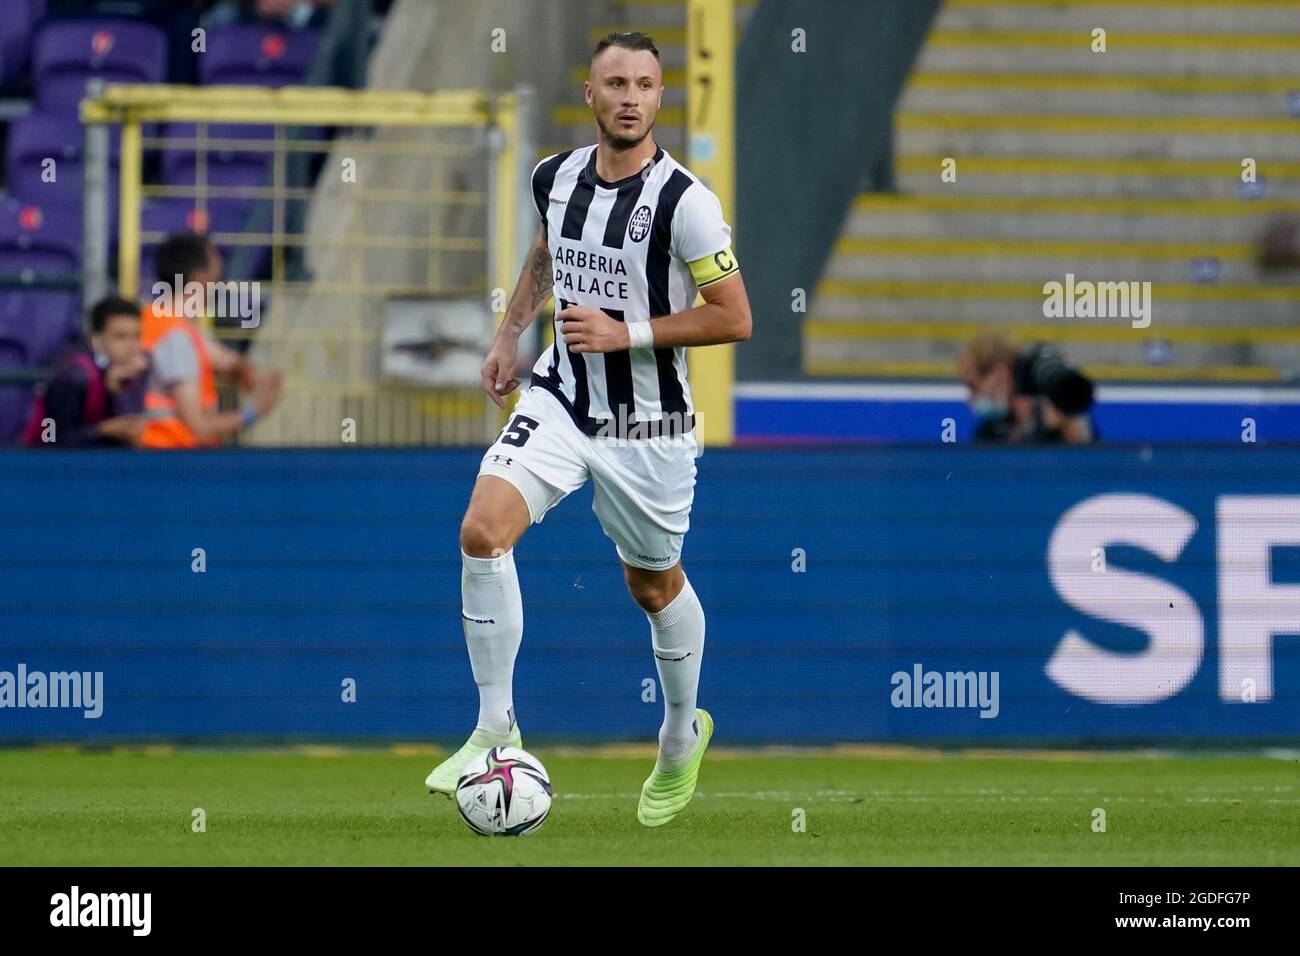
(1123, 165)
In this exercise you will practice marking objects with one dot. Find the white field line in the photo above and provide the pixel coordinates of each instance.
(980, 795)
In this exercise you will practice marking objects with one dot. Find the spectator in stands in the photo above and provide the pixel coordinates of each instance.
(95, 394)
(181, 395)
(293, 13)
(1025, 398)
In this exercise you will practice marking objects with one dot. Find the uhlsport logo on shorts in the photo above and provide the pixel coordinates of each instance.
(639, 227)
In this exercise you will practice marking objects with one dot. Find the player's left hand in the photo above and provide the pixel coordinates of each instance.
(588, 329)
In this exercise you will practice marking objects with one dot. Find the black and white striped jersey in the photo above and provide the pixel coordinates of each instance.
(626, 247)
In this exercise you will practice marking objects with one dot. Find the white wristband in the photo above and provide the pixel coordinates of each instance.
(640, 335)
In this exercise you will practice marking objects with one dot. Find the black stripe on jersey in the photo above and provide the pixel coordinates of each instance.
(657, 265)
(555, 352)
(618, 365)
(575, 213)
(621, 213)
(581, 392)
(618, 377)
(621, 427)
(614, 428)
(544, 181)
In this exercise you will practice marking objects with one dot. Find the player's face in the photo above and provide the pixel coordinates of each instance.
(624, 92)
(120, 340)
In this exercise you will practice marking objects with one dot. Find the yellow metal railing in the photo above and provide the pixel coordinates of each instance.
(456, 234)
(711, 155)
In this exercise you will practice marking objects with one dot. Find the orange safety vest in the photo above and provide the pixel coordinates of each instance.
(163, 428)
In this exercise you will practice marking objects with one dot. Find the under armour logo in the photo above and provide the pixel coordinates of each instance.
(502, 460)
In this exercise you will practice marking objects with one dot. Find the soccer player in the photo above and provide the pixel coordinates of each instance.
(627, 237)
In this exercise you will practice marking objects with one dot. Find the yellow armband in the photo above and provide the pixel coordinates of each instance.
(713, 268)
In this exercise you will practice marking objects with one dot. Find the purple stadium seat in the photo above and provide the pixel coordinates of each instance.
(37, 137)
(71, 52)
(39, 240)
(15, 400)
(226, 167)
(15, 43)
(182, 215)
(257, 54)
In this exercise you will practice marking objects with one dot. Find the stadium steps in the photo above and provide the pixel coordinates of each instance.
(1116, 166)
(1076, 176)
(1106, 217)
(1117, 16)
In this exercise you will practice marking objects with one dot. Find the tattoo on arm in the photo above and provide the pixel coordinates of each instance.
(539, 265)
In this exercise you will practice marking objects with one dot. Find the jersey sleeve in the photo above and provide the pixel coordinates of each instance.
(701, 236)
(540, 199)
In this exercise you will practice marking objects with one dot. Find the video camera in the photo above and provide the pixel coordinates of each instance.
(1042, 371)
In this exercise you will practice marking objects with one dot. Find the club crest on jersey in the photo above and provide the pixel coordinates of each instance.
(639, 227)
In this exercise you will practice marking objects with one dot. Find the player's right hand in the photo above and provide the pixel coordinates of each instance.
(497, 381)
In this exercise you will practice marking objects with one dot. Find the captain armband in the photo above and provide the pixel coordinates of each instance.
(714, 268)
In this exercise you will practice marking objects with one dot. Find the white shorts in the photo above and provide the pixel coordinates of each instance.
(643, 487)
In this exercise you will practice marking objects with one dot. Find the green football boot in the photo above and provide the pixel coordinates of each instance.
(664, 795)
(444, 776)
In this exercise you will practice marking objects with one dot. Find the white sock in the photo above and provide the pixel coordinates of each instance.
(677, 636)
(493, 615)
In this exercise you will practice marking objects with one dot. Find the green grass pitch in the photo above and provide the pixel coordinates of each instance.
(303, 807)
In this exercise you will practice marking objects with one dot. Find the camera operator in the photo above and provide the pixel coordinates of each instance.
(1025, 398)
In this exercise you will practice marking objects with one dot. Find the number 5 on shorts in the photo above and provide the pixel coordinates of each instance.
(517, 432)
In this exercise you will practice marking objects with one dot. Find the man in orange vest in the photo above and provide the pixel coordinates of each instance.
(180, 402)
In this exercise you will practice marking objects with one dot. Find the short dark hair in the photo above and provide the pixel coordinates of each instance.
(628, 41)
(108, 307)
(181, 254)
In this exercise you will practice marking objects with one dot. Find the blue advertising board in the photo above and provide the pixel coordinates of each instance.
(852, 594)
(834, 413)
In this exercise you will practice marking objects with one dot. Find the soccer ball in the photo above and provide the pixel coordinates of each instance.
(504, 792)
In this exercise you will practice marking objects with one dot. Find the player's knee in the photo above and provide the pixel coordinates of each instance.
(652, 602)
(481, 537)
(652, 594)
